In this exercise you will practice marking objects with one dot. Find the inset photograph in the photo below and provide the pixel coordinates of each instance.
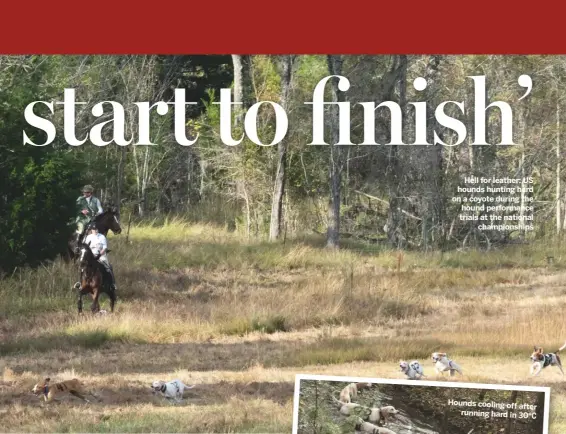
(327, 404)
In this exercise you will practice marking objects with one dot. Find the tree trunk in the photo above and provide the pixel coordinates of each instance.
(248, 212)
(394, 217)
(242, 85)
(523, 196)
(280, 177)
(558, 202)
(242, 95)
(335, 163)
(523, 173)
(238, 87)
(189, 178)
(120, 183)
(202, 166)
(435, 181)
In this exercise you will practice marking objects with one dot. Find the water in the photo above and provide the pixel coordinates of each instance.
(407, 421)
(421, 409)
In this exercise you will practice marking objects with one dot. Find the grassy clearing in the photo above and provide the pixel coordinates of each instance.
(64, 341)
(235, 416)
(203, 301)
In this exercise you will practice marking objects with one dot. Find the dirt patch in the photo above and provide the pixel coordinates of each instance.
(136, 392)
(12, 392)
(201, 394)
(220, 392)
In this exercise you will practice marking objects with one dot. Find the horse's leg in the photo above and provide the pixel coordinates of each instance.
(95, 307)
(66, 256)
(78, 284)
(80, 302)
(112, 295)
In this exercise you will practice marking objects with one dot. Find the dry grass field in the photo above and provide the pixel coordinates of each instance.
(240, 318)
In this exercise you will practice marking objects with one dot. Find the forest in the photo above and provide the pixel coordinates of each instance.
(396, 196)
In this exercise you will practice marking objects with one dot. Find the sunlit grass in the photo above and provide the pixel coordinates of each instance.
(194, 295)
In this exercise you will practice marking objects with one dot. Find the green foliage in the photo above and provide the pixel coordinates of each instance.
(234, 185)
(39, 185)
(315, 415)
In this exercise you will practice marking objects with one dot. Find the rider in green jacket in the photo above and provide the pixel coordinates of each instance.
(88, 207)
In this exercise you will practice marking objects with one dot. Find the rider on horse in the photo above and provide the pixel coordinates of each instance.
(88, 207)
(99, 246)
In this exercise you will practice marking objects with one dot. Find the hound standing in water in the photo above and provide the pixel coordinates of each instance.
(367, 427)
(351, 391)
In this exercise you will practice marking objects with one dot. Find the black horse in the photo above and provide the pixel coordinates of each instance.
(104, 222)
(94, 280)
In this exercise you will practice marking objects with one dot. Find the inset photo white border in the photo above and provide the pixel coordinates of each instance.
(446, 384)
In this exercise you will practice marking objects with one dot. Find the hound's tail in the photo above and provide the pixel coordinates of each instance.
(562, 347)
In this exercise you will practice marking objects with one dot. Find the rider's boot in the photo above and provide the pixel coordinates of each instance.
(110, 272)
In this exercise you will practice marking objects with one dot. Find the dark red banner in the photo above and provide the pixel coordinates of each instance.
(300, 27)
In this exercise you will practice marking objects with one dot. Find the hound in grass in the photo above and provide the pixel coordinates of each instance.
(442, 364)
(540, 360)
(172, 389)
(413, 370)
(51, 391)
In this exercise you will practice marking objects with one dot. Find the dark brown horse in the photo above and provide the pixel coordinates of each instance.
(93, 280)
(104, 222)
